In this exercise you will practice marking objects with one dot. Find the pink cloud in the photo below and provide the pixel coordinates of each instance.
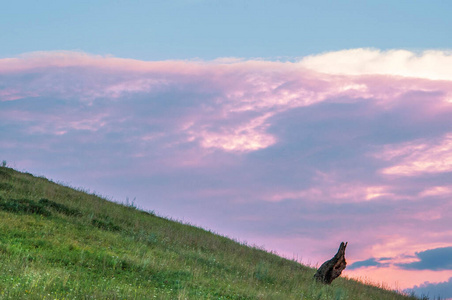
(437, 191)
(419, 157)
(262, 87)
(339, 192)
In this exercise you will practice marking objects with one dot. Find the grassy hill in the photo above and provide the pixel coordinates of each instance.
(60, 243)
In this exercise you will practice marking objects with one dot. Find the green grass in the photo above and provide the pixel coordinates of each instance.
(61, 243)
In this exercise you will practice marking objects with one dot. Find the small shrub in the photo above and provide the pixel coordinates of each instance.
(61, 208)
(152, 239)
(23, 206)
(148, 238)
(261, 273)
(340, 294)
(4, 174)
(149, 212)
(5, 186)
(105, 225)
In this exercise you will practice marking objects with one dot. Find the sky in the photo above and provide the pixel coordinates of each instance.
(291, 126)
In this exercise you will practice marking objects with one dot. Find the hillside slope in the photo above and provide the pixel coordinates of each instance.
(60, 243)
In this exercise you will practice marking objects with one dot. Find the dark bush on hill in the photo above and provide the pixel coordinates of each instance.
(105, 225)
(61, 208)
(23, 206)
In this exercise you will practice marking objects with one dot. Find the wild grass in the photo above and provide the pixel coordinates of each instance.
(60, 243)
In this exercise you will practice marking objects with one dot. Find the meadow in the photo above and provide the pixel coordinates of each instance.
(57, 242)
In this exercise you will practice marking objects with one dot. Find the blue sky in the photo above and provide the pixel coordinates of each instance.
(160, 30)
(284, 124)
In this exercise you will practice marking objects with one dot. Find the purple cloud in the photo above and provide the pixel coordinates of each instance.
(432, 259)
(290, 155)
(433, 290)
(371, 262)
